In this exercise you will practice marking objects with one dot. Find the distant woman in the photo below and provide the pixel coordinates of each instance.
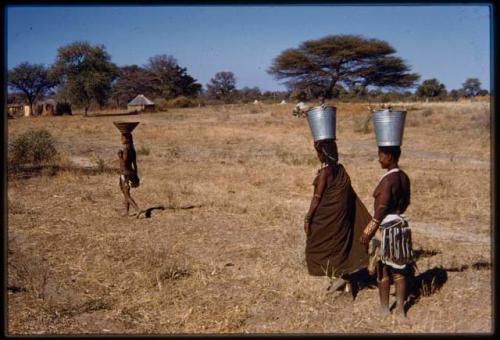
(128, 171)
(335, 219)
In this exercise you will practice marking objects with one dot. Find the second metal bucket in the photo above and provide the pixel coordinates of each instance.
(389, 127)
(322, 121)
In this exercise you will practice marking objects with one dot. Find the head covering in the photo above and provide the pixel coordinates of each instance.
(126, 127)
(322, 121)
(389, 127)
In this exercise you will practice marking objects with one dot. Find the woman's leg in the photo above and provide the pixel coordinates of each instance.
(123, 188)
(383, 287)
(400, 283)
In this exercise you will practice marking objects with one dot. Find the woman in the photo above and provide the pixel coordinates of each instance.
(392, 197)
(128, 171)
(335, 219)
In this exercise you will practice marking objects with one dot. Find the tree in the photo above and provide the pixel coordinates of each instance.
(133, 80)
(349, 60)
(173, 80)
(471, 87)
(455, 94)
(483, 92)
(33, 80)
(249, 94)
(222, 86)
(86, 73)
(431, 88)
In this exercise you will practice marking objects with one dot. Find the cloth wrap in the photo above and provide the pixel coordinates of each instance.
(333, 248)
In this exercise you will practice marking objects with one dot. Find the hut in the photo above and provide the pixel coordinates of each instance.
(140, 103)
(18, 110)
(51, 107)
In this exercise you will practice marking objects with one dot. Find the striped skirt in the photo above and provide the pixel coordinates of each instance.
(395, 246)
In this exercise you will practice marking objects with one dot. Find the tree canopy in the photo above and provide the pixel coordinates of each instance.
(86, 73)
(222, 86)
(133, 80)
(172, 80)
(348, 60)
(431, 88)
(33, 80)
(471, 87)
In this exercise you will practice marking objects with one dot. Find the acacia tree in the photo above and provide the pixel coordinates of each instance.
(222, 86)
(172, 80)
(349, 60)
(471, 87)
(86, 73)
(431, 88)
(133, 80)
(33, 80)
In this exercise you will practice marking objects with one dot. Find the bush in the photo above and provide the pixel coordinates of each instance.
(32, 147)
(182, 101)
(143, 150)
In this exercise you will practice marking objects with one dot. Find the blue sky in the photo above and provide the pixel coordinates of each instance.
(450, 43)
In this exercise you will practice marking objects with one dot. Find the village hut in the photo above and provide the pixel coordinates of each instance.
(18, 110)
(140, 103)
(51, 107)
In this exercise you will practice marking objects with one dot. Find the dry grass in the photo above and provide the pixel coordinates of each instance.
(235, 262)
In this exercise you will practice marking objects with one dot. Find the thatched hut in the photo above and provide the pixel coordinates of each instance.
(18, 110)
(51, 107)
(140, 103)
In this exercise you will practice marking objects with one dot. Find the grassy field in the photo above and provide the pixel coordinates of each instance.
(234, 262)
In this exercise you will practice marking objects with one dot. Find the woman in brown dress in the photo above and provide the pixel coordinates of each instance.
(335, 220)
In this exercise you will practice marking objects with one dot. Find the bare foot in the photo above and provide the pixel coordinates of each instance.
(401, 317)
(384, 310)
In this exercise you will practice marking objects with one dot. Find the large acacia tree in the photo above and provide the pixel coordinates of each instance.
(85, 72)
(133, 80)
(172, 79)
(348, 60)
(32, 80)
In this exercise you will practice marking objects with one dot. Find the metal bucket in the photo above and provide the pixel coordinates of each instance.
(389, 126)
(322, 121)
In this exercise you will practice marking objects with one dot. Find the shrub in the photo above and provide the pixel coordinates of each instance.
(182, 101)
(32, 147)
(143, 150)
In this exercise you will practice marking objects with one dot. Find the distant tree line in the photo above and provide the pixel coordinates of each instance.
(342, 67)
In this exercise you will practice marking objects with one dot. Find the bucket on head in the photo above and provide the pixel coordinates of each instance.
(322, 121)
(126, 127)
(389, 127)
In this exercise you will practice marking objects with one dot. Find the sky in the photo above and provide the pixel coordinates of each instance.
(450, 43)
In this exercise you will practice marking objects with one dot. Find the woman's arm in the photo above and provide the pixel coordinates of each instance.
(318, 192)
(382, 202)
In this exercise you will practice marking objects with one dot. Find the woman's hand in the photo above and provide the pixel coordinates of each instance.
(369, 231)
(307, 228)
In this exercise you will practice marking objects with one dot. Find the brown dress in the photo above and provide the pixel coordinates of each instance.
(336, 226)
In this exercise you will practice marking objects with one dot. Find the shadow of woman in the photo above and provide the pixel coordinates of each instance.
(425, 284)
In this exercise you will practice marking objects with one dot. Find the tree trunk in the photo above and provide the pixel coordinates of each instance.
(329, 92)
(31, 107)
(86, 110)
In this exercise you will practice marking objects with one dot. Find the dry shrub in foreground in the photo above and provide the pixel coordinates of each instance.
(32, 147)
(27, 271)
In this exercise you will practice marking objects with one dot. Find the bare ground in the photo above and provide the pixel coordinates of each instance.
(234, 262)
